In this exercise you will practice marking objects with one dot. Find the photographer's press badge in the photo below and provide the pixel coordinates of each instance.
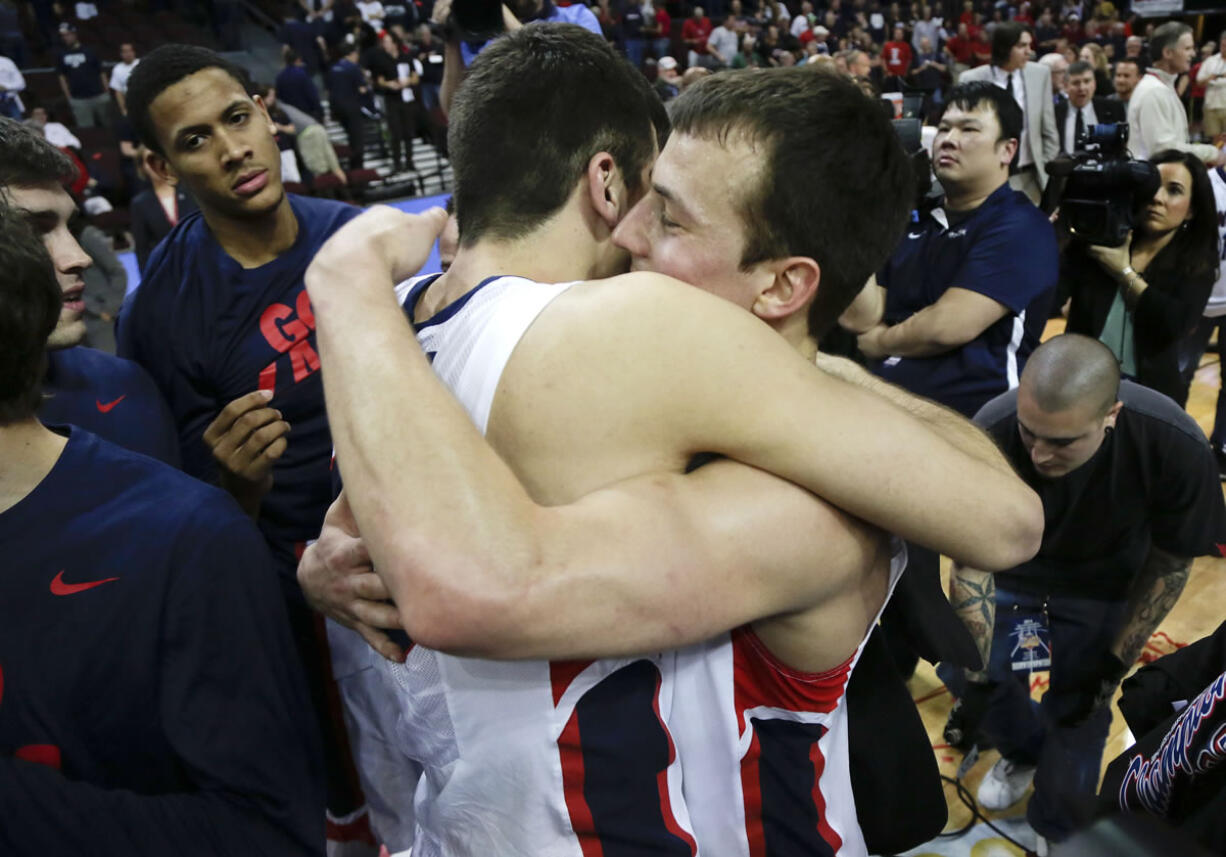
(1031, 639)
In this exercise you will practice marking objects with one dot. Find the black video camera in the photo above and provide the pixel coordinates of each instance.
(1104, 192)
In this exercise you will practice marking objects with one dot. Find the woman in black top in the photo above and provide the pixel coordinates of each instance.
(1143, 298)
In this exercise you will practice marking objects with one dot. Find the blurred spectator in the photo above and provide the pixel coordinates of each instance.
(632, 33)
(55, 133)
(1058, 66)
(1127, 76)
(657, 25)
(1134, 49)
(106, 285)
(154, 213)
(927, 27)
(371, 12)
(859, 64)
(430, 55)
(981, 49)
(12, 40)
(83, 81)
(348, 100)
(394, 74)
(1142, 299)
(1094, 54)
(804, 21)
(1030, 85)
(1156, 116)
(723, 44)
(1046, 33)
(694, 33)
(1083, 109)
(1212, 76)
(668, 81)
(295, 85)
(11, 83)
(312, 142)
(896, 54)
(120, 72)
(929, 75)
(961, 50)
(304, 38)
(692, 76)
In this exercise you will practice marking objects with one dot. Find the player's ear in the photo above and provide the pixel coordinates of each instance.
(792, 286)
(1113, 415)
(157, 165)
(263, 108)
(606, 189)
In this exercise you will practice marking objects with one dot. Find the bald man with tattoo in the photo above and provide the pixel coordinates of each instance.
(1130, 497)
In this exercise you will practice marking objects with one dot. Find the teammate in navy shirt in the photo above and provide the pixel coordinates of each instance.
(111, 397)
(223, 323)
(222, 311)
(150, 701)
(965, 296)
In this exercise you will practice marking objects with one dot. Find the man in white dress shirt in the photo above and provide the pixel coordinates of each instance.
(1156, 117)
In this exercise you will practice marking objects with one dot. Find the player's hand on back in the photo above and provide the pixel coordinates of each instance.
(338, 580)
(381, 239)
(245, 439)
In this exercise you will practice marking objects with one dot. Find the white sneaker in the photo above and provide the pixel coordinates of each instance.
(1005, 785)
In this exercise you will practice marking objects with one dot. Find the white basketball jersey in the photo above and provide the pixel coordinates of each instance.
(713, 749)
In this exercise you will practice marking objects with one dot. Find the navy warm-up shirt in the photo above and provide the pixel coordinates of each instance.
(111, 397)
(1005, 250)
(151, 702)
(208, 332)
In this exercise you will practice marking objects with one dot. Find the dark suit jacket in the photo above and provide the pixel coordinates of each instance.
(150, 224)
(1106, 112)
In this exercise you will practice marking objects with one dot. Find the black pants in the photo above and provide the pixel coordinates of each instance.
(401, 127)
(354, 123)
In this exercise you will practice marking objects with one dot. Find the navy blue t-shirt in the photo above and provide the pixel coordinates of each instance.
(1005, 250)
(111, 397)
(208, 332)
(82, 70)
(151, 701)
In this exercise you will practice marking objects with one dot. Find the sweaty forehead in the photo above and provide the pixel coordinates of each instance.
(40, 201)
(685, 166)
(199, 98)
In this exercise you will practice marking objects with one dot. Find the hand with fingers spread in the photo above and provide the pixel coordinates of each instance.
(338, 580)
(245, 439)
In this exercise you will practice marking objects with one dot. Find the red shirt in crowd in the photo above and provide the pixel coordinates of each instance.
(896, 56)
(981, 52)
(694, 33)
(960, 49)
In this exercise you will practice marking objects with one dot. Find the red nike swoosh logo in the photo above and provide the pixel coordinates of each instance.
(106, 409)
(59, 587)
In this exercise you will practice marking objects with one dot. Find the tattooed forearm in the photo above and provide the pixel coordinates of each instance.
(973, 593)
(1154, 592)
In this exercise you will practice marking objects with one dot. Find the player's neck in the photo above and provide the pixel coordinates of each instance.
(970, 197)
(28, 451)
(554, 253)
(256, 241)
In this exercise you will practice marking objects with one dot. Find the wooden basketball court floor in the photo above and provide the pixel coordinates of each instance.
(1200, 610)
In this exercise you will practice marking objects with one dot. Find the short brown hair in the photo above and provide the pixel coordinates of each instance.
(835, 184)
(30, 302)
(536, 105)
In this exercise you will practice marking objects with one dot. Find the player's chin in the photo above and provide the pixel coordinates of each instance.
(260, 203)
(69, 331)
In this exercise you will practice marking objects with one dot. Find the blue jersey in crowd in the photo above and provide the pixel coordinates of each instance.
(111, 397)
(1005, 250)
(208, 332)
(150, 699)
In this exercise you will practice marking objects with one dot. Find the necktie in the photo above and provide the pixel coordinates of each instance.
(1009, 84)
(1079, 128)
